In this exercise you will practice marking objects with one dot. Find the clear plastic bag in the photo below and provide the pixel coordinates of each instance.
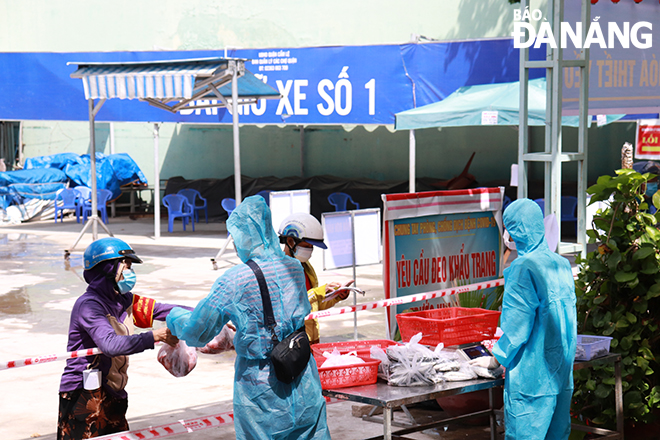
(336, 359)
(178, 360)
(413, 364)
(384, 366)
(224, 341)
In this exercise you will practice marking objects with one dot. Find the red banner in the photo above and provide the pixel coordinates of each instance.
(648, 139)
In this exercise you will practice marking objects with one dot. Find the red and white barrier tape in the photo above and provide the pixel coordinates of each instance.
(406, 299)
(180, 427)
(319, 314)
(49, 358)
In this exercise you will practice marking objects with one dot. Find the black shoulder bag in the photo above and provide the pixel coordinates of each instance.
(290, 356)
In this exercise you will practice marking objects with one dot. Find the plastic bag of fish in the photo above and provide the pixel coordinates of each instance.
(413, 364)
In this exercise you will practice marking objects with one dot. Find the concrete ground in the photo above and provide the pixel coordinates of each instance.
(39, 287)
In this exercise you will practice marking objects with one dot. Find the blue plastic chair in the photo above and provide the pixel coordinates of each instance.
(84, 194)
(569, 210)
(178, 206)
(339, 199)
(193, 195)
(541, 203)
(102, 198)
(228, 205)
(266, 195)
(68, 198)
(506, 203)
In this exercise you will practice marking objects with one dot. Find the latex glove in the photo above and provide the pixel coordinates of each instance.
(489, 362)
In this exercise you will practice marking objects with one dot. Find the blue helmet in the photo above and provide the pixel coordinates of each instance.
(108, 248)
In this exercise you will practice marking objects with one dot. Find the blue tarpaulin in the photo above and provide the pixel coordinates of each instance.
(43, 183)
(43, 176)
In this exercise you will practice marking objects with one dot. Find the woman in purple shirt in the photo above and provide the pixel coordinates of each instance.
(94, 403)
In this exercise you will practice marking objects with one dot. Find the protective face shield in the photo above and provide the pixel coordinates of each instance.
(126, 284)
(303, 254)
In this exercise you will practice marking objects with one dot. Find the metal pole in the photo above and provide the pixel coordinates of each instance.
(156, 198)
(302, 151)
(523, 133)
(411, 161)
(92, 155)
(113, 208)
(237, 149)
(355, 332)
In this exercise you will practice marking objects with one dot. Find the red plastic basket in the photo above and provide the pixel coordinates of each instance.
(349, 375)
(449, 325)
(362, 348)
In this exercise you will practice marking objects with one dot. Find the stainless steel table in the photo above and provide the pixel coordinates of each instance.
(390, 397)
(618, 396)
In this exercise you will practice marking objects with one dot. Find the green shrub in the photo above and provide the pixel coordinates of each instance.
(618, 290)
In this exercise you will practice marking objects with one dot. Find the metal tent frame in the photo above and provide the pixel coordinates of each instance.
(171, 85)
(553, 155)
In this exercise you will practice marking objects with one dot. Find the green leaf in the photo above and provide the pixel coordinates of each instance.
(625, 277)
(653, 232)
(632, 397)
(626, 343)
(643, 252)
(654, 291)
(613, 260)
(642, 363)
(609, 329)
(656, 199)
(641, 306)
(599, 299)
(654, 396)
(622, 323)
(631, 318)
(650, 267)
(602, 391)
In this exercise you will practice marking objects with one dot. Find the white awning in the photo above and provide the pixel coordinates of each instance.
(172, 84)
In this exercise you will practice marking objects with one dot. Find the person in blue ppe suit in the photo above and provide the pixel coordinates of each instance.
(264, 407)
(539, 326)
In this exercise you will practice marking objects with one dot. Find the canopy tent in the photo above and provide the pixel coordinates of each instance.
(466, 106)
(170, 85)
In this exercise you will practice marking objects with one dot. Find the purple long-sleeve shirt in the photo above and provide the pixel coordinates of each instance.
(91, 325)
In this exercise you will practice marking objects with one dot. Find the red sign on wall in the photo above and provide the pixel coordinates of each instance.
(648, 139)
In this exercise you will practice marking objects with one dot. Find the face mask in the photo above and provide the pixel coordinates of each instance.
(651, 188)
(507, 241)
(127, 284)
(303, 253)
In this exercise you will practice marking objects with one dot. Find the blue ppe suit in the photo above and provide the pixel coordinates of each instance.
(264, 407)
(539, 325)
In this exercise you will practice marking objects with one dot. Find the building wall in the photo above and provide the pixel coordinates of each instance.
(201, 151)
